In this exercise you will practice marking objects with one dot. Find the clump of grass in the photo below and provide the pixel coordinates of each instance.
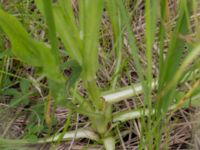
(80, 37)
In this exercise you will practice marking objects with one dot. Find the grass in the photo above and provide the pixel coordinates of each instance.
(164, 85)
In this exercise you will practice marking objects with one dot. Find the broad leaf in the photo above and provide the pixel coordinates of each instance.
(29, 50)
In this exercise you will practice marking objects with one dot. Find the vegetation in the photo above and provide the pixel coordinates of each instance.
(34, 80)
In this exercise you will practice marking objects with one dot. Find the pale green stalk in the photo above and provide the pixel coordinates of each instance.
(77, 134)
(124, 93)
(109, 143)
(134, 114)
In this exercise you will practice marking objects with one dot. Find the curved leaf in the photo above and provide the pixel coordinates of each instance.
(29, 50)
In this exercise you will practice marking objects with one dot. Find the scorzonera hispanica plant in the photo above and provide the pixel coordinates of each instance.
(80, 36)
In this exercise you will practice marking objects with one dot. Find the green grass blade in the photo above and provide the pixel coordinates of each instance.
(68, 33)
(176, 46)
(117, 27)
(162, 35)
(133, 45)
(51, 28)
(174, 54)
(66, 27)
(151, 7)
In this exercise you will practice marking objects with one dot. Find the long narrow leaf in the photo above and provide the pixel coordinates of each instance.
(90, 20)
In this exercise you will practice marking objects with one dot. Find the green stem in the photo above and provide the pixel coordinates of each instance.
(101, 122)
(94, 94)
(65, 127)
(83, 102)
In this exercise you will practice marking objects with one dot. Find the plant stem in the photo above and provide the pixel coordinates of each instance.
(80, 133)
(125, 93)
(109, 143)
(133, 114)
(130, 91)
(94, 94)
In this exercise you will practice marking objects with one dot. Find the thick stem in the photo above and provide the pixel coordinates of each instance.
(99, 123)
(80, 133)
(109, 143)
(85, 104)
(133, 114)
(94, 94)
(125, 93)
